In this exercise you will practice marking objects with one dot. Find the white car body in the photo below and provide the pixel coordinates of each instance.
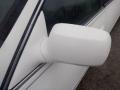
(52, 76)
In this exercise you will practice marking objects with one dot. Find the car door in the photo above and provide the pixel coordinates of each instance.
(33, 25)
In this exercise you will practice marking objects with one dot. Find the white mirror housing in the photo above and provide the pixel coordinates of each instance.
(75, 44)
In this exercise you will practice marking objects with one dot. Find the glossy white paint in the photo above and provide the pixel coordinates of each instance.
(64, 76)
(61, 76)
(76, 44)
(33, 78)
(8, 48)
(27, 62)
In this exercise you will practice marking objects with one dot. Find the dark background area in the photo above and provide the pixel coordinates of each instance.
(107, 76)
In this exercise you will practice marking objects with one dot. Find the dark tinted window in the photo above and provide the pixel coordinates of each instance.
(104, 2)
(9, 12)
(69, 11)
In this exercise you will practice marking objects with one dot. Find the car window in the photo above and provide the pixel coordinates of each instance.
(104, 2)
(70, 11)
(9, 12)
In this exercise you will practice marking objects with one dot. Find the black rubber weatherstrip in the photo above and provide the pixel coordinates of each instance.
(20, 47)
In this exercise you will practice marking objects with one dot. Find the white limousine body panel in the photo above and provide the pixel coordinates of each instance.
(65, 76)
(52, 76)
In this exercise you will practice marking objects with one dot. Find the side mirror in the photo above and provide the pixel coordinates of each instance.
(75, 44)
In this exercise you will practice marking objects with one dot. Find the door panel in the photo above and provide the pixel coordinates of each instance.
(60, 77)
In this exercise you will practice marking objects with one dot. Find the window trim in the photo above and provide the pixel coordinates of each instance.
(21, 45)
(99, 11)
